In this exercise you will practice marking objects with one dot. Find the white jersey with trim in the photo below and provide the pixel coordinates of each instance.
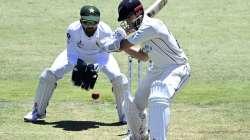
(79, 45)
(158, 42)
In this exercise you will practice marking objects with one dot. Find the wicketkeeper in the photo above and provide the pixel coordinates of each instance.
(169, 72)
(85, 59)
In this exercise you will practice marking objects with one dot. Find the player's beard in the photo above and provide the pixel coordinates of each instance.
(90, 31)
(136, 23)
(133, 25)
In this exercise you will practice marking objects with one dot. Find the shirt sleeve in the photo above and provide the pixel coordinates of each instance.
(143, 34)
(105, 30)
(71, 47)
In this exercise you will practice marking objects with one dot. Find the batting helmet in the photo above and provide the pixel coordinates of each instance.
(129, 7)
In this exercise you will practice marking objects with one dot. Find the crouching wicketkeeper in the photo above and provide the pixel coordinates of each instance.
(85, 58)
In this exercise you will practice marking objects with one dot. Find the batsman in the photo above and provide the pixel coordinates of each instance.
(85, 59)
(169, 72)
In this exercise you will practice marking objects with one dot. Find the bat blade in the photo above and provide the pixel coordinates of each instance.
(155, 7)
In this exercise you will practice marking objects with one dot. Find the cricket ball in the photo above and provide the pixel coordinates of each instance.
(95, 95)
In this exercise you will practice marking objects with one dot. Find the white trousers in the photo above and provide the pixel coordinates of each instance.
(174, 76)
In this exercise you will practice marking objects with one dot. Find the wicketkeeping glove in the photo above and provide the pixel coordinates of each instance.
(91, 76)
(85, 75)
(78, 71)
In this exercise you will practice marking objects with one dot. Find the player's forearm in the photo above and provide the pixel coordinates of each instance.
(71, 54)
(137, 53)
(133, 51)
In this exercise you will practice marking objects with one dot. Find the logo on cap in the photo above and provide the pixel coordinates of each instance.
(91, 10)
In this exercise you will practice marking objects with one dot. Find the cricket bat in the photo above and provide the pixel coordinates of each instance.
(155, 7)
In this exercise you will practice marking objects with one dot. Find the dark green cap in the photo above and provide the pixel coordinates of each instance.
(89, 12)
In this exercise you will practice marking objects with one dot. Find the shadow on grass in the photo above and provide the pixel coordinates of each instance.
(77, 125)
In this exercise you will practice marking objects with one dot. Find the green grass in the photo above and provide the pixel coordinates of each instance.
(214, 105)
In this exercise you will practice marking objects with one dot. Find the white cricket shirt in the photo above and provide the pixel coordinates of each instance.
(158, 42)
(79, 45)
